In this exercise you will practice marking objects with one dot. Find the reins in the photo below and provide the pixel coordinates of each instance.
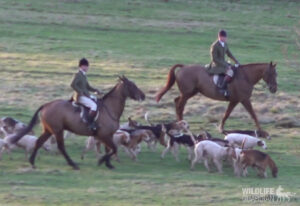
(101, 103)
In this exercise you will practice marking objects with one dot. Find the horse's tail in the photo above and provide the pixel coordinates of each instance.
(272, 166)
(170, 82)
(26, 130)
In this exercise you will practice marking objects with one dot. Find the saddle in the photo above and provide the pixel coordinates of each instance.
(219, 78)
(84, 111)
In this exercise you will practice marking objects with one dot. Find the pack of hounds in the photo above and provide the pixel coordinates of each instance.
(236, 149)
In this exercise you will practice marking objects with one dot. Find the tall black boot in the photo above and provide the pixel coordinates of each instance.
(223, 86)
(91, 120)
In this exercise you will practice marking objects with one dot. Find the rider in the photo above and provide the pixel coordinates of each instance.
(81, 95)
(218, 64)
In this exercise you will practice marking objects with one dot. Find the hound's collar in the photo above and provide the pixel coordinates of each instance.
(179, 135)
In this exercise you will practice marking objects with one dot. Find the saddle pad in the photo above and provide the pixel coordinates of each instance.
(216, 79)
(74, 104)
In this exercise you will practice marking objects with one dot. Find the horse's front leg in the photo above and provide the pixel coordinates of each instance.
(229, 109)
(111, 149)
(248, 106)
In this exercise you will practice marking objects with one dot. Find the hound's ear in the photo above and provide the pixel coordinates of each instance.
(163, 128)
(259, 143)
(243, 143)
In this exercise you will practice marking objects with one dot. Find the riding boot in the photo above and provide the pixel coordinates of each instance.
(223, 86)
(91, 120)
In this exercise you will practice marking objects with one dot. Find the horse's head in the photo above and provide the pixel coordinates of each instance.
(270, 76)
(131, 90)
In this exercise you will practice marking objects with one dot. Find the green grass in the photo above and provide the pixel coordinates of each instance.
(41, 43)
(150, 181)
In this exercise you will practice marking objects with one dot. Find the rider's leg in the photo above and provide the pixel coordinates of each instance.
(227, 78)
(92, 112)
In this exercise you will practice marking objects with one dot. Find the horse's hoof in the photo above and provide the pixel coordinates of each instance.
(109, 166)
(221, 130)
(100, 162)
(33, 166)
(76, 168)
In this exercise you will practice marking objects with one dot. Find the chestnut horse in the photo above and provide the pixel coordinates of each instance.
(194, 78)
(60, 115)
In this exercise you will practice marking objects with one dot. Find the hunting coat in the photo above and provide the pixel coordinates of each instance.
(81, 86)
(218, 64)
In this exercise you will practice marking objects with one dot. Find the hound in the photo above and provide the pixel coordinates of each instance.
(9, 125)
(210, 151)
(136, 137)
(27, 143)
(254, 133)
(189, 140)
(120, 138)
(258, 160)
(92, 144)
(219, 141)
(159, 135)
(236, 139)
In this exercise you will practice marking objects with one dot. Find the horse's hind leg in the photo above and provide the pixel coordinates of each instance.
(61, 146)
(106, 158)
(180, 104)
(39, 143)
(229, 109)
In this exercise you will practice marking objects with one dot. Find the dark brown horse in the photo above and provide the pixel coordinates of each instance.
(60, 115)
(194, 78)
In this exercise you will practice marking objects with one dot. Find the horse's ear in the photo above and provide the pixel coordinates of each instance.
(120, 78)
(124, 78)
(271, 63)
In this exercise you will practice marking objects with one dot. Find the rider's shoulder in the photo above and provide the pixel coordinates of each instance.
(79, 73)
(215, 44)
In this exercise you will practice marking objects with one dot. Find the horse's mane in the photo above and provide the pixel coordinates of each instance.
(109, 93)
(253, 64)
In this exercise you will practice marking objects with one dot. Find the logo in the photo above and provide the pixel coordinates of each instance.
(284, 195)
(259, 195)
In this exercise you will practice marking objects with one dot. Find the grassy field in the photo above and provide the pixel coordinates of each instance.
(41, 42)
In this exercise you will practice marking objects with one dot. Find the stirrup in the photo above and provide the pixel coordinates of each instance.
(224, 92)
(93, 127)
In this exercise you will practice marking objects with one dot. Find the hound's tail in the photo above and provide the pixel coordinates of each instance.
(26, 130)
(170, 82)
(147, 119)
(273, 167)
(200, 152)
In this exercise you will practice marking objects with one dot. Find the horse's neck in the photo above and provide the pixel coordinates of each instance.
(254, 73)
(115, 103)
